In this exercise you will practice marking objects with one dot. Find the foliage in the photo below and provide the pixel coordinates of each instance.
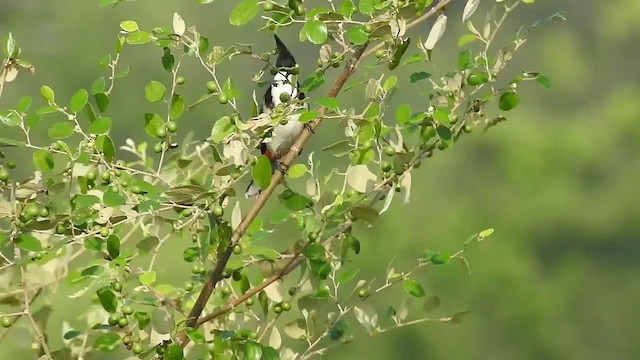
(117, 205)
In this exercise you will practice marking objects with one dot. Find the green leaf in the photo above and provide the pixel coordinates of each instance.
(432, 303)
(314, 252)
(102, 100)
(104, 144)
(466, 39)
(440, 259)
(113, 246)
(308, 116)
(243, 12)
(417, 76)
(252, 350)
(329, 103)
(508, 101)
(98, 86)
(390, 83)
(403, 114)
(129, 26)
(139, 37)
(167, 59)
(11, 143)
(177, 106)
(365, 213)
(43, 160)
(28, 242)
(154, 91)
(261, 172)
(297, 171)
(9, 118)
(24, 103)
(320, 268)
(347, 276)
(147, 277)
(153, 122)
(316, 31)
(230, 90)
(195, 335)
(313, 82)
(113, 199)
(47, 93)
(358, 34)
(366, 7)
(143, 319)
(107, 342)
(296, 202)
(444, 134)
(399, 53)
(78, 100)
(174, 352)
(61, 130)
(544, 81)
(108, 299)
(100, 125)
(413, 288)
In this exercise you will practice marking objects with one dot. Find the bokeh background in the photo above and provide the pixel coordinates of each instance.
(560, 277)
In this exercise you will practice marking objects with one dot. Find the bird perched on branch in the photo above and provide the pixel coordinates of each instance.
(283, 89)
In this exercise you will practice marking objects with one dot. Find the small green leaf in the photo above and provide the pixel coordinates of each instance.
(308, 116)
(47, 93)
(98, 86)
(544, 81)
(417, 76)
(403, 114)
(243, 12)
(100, 125)
(104, 144)
(102, 100)
(195, 335)
(230, 90)
(174, 352)
(152, 123)
(154, 91)
(444, 134)
(252, 350)
(440, 259)
(366, 213)
(316, 31)
(113, 246)
(143, 319)
(320, 268)
(366, 7)
(139, 37)
(329, 103)
(43, 160)
(177, 106)
(466, 39)
(296, 202)
(129, 26)
(107, 342)
(413, 288)
(61, 130)
(432, 303)
(113, 199)
(261, 172)
(508, 101)
(147, 277)
(297, 171)
(78, 100)
(28, 242)
(399, 53)
(390, 83)
(108, 299)
(358, 34)
(24, 103)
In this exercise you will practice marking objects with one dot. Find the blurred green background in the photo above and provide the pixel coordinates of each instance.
(560, 277)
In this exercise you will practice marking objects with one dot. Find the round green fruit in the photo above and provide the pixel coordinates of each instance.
(212, 86)
(223, 99)
(180, 80)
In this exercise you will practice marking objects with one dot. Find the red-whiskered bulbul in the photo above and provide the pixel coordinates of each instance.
(283, 136)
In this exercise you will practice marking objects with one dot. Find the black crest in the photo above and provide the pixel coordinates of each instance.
(285, 58)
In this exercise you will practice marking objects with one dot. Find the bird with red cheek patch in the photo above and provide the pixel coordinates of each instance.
(281, 90)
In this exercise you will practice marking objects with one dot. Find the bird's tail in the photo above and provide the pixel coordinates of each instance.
(253, 190)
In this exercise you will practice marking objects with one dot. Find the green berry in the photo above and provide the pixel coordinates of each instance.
(477, 78)
(268, 6)
(362, 293)
(389, 150)
(380, 53)
(211, 86)
(172, 126)
(277, 309)
(32, 209)
(225, 291)
(223, 99)
(237, 249)
(161, 132)
(38, 255)
(237, 275)
(127, 340)
(186, 212)
(122, 322)
(313, 236)
(113, 320)
(117, 286)
(286, 306)
(287, 194)
(106, 176)
(292, 291)
(218, 211)
(104, 232)
(197, 269)
(137, 349)
(136, 189)
(285, 97)
(157, 148)
(92, 174)
(188, 286)
(385, 166)
(11, 164)
(55, 146)
(4, 174)
(249, 302)
(180, 80)
(6, 321)
(127, 310)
